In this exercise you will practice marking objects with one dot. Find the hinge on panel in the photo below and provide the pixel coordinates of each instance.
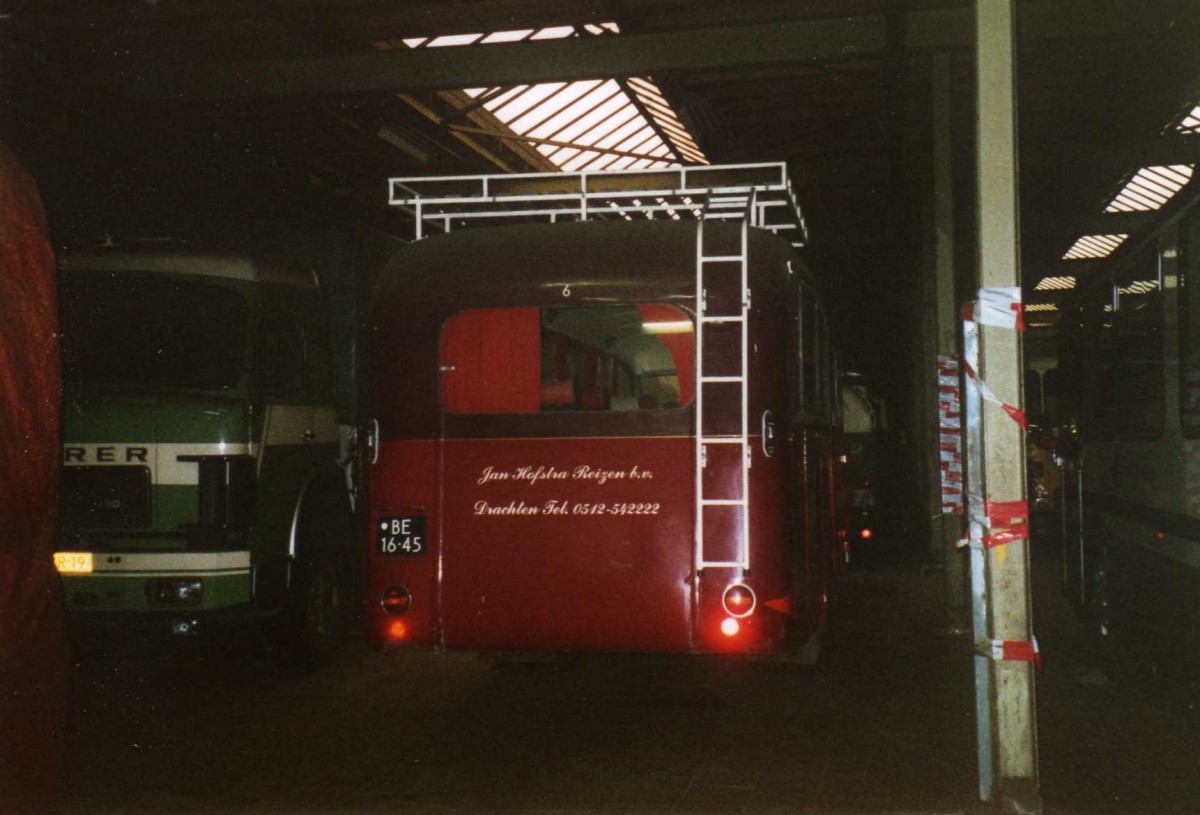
(703, 301)
(703, 455)
(746, 300)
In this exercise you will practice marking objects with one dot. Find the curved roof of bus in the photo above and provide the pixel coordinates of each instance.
(182, 260)
(617, 261)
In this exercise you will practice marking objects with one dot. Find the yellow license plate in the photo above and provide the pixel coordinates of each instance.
(73, 562)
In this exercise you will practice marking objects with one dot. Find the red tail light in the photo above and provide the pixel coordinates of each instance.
(866, 534)
(739, 600)
(730, 627)
(395, 600)
(397, 630)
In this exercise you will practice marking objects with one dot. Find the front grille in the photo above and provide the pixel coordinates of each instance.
(105, 497)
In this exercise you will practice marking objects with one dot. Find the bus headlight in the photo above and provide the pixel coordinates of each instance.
(170, 591)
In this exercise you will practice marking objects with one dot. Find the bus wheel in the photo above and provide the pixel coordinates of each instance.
(314, 621)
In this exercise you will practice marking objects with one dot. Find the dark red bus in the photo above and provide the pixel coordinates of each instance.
(570, 455)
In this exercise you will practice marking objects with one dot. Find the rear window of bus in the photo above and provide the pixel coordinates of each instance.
(581, 358)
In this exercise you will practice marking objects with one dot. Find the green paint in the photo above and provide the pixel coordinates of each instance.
(115, 417)
(108, 593)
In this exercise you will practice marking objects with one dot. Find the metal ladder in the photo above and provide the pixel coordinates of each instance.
(709, 270)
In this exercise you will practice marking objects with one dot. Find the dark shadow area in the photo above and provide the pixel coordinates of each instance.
(883, 725)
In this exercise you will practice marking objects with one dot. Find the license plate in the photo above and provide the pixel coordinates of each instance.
(73, 562)
(400, 535)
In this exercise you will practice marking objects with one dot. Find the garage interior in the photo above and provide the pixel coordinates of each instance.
(148, 119)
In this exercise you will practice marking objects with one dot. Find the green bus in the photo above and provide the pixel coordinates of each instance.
(202, 479)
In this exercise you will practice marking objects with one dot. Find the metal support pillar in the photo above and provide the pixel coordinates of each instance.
(947, 527)
(1014, 728)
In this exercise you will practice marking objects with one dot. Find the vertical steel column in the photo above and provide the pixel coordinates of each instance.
(973, 429)
(1012, 693)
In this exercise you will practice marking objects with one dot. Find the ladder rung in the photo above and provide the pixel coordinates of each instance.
(721, 440)
(721, 379)
(722, 259)
(722, 319)
(721, 564)
(723, 502)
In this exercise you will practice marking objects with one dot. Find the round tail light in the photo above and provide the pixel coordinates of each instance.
(395, 600)
(866, 534)
(739, 600)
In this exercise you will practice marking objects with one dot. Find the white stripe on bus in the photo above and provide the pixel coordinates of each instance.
(172, 561)
(162, 459)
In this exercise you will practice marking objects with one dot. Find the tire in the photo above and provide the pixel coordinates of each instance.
(315, 617)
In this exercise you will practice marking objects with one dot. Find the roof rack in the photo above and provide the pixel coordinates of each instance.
(759, 193)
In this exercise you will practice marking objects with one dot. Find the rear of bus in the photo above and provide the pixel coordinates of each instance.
(534, 483)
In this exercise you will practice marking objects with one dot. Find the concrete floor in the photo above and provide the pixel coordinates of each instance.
(883, 725)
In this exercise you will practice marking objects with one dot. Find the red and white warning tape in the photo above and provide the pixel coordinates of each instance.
(1012, 651)
(1001, 307)
(950, 433)
(1016, 414)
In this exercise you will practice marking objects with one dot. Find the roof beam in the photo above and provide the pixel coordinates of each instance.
(505, 63)
(787, 41)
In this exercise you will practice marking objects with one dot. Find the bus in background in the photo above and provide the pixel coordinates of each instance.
(609, 435)
(1129, 363)
(201, 484)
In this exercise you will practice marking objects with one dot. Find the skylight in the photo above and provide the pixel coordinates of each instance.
(1139, 287)
(1055, 283)
(1094, 246)
(613, 124)
(1150, 188)
(1191, 122)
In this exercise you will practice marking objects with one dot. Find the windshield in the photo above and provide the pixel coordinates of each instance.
(152, 332)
